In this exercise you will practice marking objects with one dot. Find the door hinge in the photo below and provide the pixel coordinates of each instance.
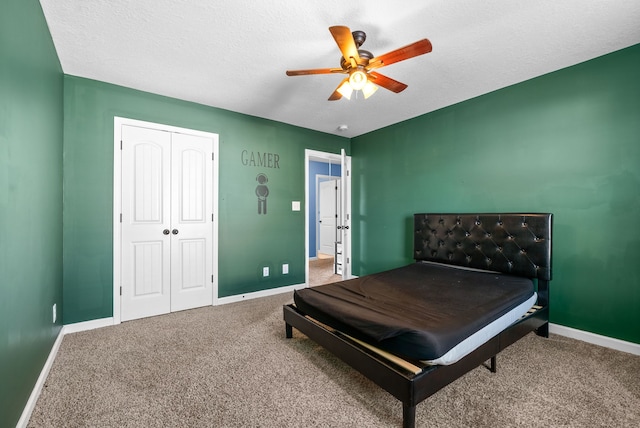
(211, 216)
(120, 217)
(212, 156)
(121, 291)
(212, 278)
(120, 144)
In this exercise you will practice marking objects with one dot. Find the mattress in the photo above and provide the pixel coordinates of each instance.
(420, 311)
(481, 336)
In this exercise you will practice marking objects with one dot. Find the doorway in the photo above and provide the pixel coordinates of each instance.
(327, 220)
(165, 240)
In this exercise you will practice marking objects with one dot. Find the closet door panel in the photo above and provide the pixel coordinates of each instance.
(192, 233)
(146, 199)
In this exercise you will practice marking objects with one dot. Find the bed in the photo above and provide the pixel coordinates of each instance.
(479, 282)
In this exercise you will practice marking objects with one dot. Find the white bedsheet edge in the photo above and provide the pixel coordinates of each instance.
(484, 334)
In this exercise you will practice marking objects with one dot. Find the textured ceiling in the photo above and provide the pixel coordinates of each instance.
(233, 54)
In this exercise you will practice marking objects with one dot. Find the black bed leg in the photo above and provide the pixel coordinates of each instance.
(543, 330)
(492, 366)
(408, 416)
(289, 331)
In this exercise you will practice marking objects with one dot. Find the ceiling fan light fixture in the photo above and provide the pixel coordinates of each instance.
(358, 79)
(345, 90)
(369, 89)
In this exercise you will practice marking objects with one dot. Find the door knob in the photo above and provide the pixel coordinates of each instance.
(174, 231)
(166, 231)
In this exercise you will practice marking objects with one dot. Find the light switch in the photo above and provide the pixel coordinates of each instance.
(265, 271)
(295, 205)
(285, 268)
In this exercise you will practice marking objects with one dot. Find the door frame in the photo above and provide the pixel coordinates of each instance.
(336, 158)
(118, 122)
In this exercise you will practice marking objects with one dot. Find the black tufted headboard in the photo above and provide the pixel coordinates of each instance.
(518, 244)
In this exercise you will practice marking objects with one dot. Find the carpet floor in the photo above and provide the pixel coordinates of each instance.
(321, 271)
(231, 366)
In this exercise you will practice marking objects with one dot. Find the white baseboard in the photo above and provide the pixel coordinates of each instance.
(107, 322)
(33, 398)
(88, 325)
(263, 293)
(596, 339)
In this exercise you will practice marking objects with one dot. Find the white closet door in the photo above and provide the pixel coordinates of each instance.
(146, 242)
(192, 226)
(167, 227)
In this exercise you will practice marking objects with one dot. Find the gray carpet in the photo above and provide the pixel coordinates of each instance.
(321, 271)
(231, 366)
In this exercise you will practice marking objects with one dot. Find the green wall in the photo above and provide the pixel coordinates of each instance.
(566, 143)
(30, 201)
(247, 241)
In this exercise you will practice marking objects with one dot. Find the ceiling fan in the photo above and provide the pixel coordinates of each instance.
(360, 64)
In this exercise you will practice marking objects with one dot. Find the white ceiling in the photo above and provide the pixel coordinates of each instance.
(233, 54)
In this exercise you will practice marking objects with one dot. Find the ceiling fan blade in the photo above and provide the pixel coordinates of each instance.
(344, 39)
(387, 82)
(314, 71)
(418, 48)
(337, 95)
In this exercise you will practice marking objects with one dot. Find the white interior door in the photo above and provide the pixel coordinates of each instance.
(327, 216)
(146, 199)
(167, 228)
(345, 214)
(191, 222)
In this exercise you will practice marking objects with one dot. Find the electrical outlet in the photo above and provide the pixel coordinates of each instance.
(285, 268)
(265, 271)
(55, 313)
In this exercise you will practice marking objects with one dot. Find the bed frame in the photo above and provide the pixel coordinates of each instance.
(518, 244)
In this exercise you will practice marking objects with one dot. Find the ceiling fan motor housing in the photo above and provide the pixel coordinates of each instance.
(365, 56)
(359, 37)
